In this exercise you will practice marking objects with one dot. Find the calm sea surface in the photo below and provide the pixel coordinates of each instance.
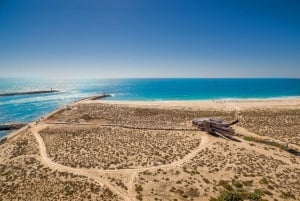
(26, 108)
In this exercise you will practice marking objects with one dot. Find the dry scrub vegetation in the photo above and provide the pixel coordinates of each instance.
(232, 169)
(136, 116)
(222, 170)
(281, 124)
(117, 148)
(225, 169)
(23, 177)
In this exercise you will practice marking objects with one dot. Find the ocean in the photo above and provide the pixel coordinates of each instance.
(25, 108)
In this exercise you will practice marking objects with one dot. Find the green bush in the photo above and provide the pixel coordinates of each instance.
(248, 183)
(237, 184)
(225, 185)
(254, 196)
(230, 196)
(263, 181)
(287, 195)
(236, 192)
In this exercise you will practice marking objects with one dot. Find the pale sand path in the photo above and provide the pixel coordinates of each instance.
(93, 173)
(56, 166)
(129, 195)
(245, 132)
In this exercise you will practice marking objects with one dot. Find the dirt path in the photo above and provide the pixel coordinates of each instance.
(129, 195)
(90, 174)
(94, 173)
(245, 132)
(122, 126)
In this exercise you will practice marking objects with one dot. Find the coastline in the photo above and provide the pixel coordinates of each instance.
(15, 133)
(215, 105)
(106, 130)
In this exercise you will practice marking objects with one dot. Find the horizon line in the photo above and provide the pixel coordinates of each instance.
(67, 78)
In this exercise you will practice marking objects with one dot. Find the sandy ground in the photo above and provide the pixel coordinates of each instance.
(213, 104)
(85, 153)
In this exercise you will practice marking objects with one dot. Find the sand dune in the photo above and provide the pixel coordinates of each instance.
(87, 157)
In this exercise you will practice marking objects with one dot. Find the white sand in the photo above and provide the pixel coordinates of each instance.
(212, 104)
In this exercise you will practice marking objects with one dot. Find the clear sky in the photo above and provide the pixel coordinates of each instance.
(149, 38)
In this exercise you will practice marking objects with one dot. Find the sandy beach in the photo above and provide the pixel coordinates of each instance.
(150, 100)
(116, 150)
(214, 104)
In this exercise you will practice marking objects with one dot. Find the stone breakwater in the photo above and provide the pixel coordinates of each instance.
(28, 92)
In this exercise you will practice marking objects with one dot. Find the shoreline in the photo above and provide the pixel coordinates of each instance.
(98, 141)
(222, 105)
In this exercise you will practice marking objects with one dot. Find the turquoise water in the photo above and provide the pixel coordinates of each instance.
(26, 108)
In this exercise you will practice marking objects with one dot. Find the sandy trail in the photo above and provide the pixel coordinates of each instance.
(128, 195)
(85, 172)
(94, 173)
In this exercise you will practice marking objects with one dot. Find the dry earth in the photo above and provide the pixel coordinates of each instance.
(156, 155)
(280, 124)
(117, 148)
(24, 177)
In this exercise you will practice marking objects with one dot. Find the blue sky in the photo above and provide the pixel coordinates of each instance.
(149, 38)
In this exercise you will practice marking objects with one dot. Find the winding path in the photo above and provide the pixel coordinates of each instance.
(93, 173)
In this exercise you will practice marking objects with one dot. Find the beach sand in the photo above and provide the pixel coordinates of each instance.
(219, 104)
(134, 150)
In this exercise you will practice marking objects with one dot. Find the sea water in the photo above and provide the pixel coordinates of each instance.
(25, 108)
